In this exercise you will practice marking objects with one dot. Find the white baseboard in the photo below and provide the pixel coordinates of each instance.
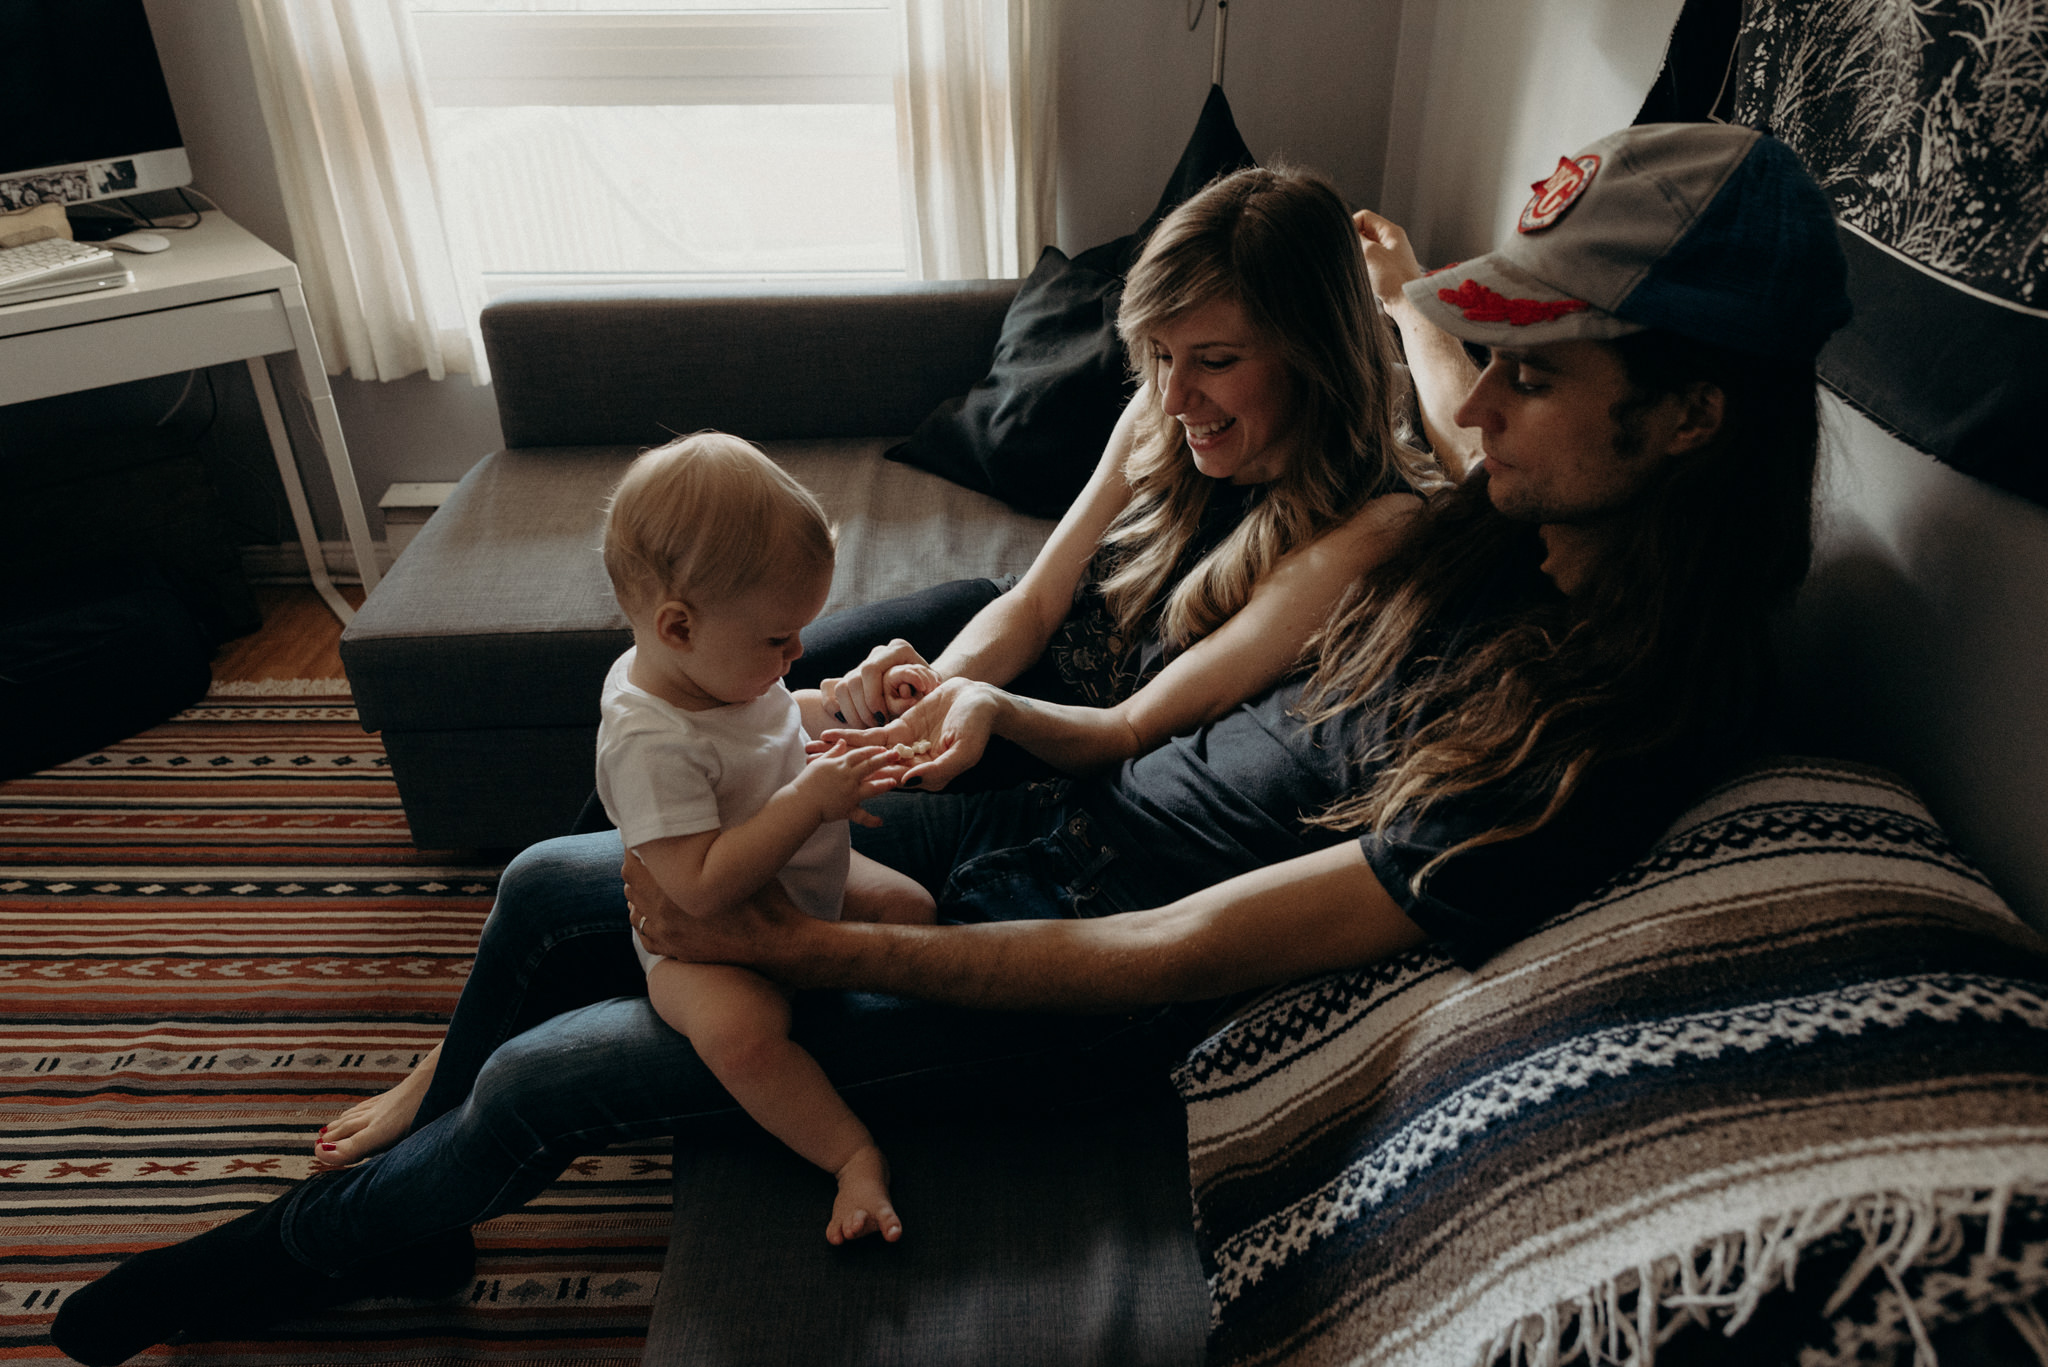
(285, 563)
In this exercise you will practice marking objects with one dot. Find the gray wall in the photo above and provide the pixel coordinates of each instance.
(1307, 80)
(1919, 644)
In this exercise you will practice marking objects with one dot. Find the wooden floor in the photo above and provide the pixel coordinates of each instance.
(300, 639)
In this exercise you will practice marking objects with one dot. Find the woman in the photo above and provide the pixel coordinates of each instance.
(1250, 482)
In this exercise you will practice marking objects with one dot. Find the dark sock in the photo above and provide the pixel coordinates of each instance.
(236, 1273)
(436, 1266)
(234, 1277)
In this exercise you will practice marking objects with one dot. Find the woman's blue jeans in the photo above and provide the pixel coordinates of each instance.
(521, 1091)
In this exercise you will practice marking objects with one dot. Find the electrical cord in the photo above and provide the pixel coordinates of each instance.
(191, 378)
(122, 209)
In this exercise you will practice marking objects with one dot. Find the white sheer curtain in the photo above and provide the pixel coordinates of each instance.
(976, 90)
(390, 292)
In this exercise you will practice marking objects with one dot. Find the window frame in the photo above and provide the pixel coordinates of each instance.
(478, 59)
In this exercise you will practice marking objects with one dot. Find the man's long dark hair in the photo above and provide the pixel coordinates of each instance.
(1667, 645)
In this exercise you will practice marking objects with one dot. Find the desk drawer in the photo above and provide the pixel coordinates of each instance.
(63, 360)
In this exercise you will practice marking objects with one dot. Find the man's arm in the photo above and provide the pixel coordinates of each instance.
(1309, 915)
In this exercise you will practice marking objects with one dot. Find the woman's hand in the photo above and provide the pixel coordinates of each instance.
(885, 685)
(1390, 262)
(956, 718)
(1442, 372)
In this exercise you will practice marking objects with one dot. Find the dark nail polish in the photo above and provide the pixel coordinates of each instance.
(914, 781)
(841, 716)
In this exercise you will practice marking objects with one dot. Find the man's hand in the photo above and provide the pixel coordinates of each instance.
(733, 938)
(891, 678)
(956, 718)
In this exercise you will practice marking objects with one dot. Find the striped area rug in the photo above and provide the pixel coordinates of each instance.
(214, 938)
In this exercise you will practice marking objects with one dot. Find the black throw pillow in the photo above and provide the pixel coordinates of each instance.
(1032, 430)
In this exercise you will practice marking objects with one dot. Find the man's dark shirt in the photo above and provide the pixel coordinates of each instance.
(1235, 795)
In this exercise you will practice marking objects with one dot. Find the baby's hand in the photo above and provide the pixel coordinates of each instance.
(838, 779)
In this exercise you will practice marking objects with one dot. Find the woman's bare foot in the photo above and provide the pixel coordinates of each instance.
(375, 1125)
(862, 1206)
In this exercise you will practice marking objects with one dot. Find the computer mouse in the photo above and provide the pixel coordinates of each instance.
(138, 242)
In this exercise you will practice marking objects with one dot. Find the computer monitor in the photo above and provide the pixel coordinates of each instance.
(84, 113)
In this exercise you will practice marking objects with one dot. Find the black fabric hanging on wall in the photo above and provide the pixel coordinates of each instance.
(1927, 125)
(1031, 432)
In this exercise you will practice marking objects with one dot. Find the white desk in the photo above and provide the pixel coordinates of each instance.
(217, 294)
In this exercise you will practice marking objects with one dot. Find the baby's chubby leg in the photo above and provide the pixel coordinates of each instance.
(738, 1022)
(876, 892)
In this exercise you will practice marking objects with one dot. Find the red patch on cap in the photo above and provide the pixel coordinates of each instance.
(1555, 195)
(1482, 305)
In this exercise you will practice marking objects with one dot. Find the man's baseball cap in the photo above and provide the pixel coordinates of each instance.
(1709, 230)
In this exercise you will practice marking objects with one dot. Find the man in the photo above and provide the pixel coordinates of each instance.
(1508, 713)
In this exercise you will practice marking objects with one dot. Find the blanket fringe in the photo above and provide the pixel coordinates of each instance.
(1722, 1280)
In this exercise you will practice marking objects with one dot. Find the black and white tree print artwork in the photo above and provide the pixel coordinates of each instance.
(1927, 124)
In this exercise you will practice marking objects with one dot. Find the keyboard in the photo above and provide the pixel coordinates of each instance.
(57, 265)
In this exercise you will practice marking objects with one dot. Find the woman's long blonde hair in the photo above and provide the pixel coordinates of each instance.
(1279, 244)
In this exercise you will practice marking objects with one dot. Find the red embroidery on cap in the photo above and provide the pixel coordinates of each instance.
(1482, 305)
(1555, 195)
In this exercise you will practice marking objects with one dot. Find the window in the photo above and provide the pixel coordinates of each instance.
(639, 141)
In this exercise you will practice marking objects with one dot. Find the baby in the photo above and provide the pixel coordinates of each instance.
(719, 559)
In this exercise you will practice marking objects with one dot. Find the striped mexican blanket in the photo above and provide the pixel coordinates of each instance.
(1802, 1035)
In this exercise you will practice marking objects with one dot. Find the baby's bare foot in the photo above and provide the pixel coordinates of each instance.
(862, 1206)
(375, 1125)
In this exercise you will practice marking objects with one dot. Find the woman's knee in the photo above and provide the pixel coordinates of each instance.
(524, 1096)
(560, 885)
